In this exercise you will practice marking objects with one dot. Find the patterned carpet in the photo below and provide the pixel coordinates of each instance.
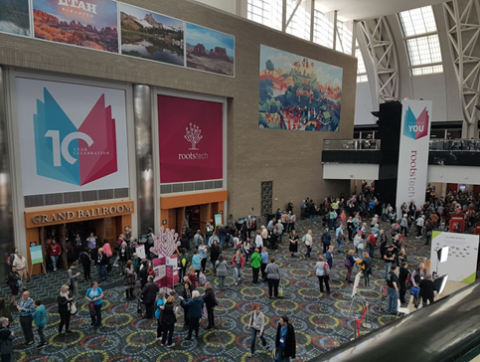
(321, 322)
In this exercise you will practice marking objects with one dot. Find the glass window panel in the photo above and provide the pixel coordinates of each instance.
(418, 21)
(266, 12)
(323, 30)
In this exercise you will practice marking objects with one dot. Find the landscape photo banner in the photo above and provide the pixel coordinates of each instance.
(15, 17)
(461, 264)
(150, 35)
(298, 93)
(190, 133)
(91, 24)
(210, 50)
(73, 137)
(413, 153)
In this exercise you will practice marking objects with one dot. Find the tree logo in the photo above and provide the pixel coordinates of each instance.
(193, 136)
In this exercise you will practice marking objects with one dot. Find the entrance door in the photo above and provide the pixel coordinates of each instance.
(192, 216)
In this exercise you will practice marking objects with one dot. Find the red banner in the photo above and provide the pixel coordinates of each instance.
(190, 138)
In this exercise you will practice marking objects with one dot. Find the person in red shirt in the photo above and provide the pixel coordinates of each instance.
(54, 252)
(372, 241)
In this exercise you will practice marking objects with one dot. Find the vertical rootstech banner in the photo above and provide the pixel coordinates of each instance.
(190, 133)
(413, 155)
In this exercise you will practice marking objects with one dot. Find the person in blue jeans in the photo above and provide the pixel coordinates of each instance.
(332, 220)
(285, 341)
(340, 237)
(389, 257)
(393, 285)
(257, 324)
(94, 296)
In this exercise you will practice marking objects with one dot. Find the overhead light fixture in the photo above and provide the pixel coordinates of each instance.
(376, 113)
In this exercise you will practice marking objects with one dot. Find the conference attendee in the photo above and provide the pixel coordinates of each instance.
(366, 266)
(372, 242)
(85, 258)
(393, 290)
(274, 240)
(21, 265)
(340, 236)
(129, 279)
(92, 245)
(198, 238)
(247, 248)
(402, 279)
(404, 225)
(273, 278)
(54, 251)
(350, 228)
(64, 301)
(428, 230)
(427, 290)
(160, 302)
(293, 243)
(124, 254)
(285, 341)
(143, 272)
(202, 253)
(73, 275)
(256, 323)
(388, 257)
(349, 263)
(238, 261)
(168, 321)
(280, 230)
(263, 266)
(14, 282)
(215, 251)
(149, 293)
(5, 310)
(102, 262)
(26, 308)
(195, 311)
(187, 295)
(418, 275)
(326, 240)
(197, 261)
(322, 271)
(261, 238)
(210, 303)
(222, 271)
(40, 320)
(308, 241)
(6, 340)
(420, 222)
(329, 256)
(94, 296)
(256, 263)
(191, 278)
(222, 235)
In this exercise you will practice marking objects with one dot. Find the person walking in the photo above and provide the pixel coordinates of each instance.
(280, 230)
(202, 253)
(402, 278)
(238, 261)
(73, 275)
(85, 258)
(329, 257)
(256, 262)
(94, 296)
(372, 242)
(388, 257)
(273, 278)
(404, 225)
(393, 289)
(293, 245)
(427, 290)
(339, 234)
(20, 263)
(215, 251)
(160, 302)
(26, 309)
(54, 251)
(197, 261)
(210, 302)
(222, 271)
(169, 318)
(349, 263)
(129, 280)
(102, 262)
(326, 240)
(14, 282)
(6, 340)
(366, 266)
(308, 240)
(256, 323)
(350, 228)
(149, 294)
(264, 256)
(322, 271)
(195, 311)
(64, 301)
(186, 295)
(40, 319)
(285, 341)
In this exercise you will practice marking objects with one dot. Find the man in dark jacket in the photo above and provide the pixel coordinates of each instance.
(144, 273)
(326, 240)
(195, 311)
(285, 341)
(149, 294)
(403, 281)
(6, 338)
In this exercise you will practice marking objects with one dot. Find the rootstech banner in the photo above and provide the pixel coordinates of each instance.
(72, 137)
(190, 138)
(413, 155)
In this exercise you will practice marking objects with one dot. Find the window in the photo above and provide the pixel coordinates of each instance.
(361, 70)
(421, 38)
(323, 30)
(344, 40)
(266, 12)
(300, 24)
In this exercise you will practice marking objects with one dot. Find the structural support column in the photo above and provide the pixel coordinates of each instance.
(142, 108)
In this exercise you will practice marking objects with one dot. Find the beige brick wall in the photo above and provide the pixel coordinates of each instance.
(293, 158)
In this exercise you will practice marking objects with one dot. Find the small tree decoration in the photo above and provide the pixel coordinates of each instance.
(193, 135)
(165, 242)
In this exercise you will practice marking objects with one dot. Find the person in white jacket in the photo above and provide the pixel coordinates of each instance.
(257, 324)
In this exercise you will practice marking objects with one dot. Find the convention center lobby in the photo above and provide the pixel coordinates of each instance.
(239, 180)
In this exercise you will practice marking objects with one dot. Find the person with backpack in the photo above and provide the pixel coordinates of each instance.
(256, 323)
(222, 271)
(6, 340)
(322, 271)
(308, 241)
(210, 303)
(326, 240)
(86, 259)
(293, 243)
(159, 303)
(340, 237)
(349, 262)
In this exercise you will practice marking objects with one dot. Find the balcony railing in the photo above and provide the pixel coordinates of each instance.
(347, 145)
(461, 144)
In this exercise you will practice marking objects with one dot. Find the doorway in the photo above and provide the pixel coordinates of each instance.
(192, 217)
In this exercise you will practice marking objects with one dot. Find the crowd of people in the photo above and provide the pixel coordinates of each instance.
(352, 230)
